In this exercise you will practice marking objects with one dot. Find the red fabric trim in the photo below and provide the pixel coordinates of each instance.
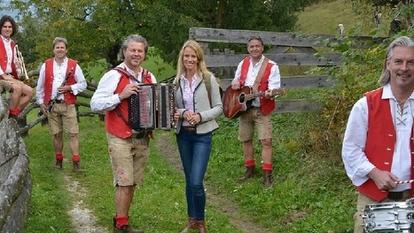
(266, 105)
(244, 70)
(250, 163)
(121, 221)
(75, 158)
(3, 58)
(59, 156)
(267, 167)
(69, 97)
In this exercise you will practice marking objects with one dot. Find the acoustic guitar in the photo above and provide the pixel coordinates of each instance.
(235, 102)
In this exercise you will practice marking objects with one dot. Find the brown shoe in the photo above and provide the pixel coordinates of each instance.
(192, 224)
(127, 229)
(267, 179)
(249, 173)
(59, 164)
(76, 166)
(201, 226)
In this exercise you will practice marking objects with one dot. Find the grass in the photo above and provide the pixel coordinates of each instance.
(305, 196)
(324, 17)
(159, 204)
(311, 194)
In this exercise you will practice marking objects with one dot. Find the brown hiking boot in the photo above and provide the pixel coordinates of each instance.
(59, 164)
(192, 224)
(249, 173)
(267, 179)
(201, 226)
(127, 229)
(76, 166)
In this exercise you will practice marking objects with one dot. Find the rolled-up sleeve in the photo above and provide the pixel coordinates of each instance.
(355, 160)
(274, 77)
(80, 84)
(104, 98)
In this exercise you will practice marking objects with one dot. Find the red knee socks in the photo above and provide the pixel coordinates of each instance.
(249, 163)
(121, 221)
(267, 167)
(59, 156)
(75, 158)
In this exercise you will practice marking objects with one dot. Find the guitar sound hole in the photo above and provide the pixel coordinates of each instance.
(241, 98)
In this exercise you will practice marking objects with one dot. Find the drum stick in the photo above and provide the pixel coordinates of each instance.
(404, 182)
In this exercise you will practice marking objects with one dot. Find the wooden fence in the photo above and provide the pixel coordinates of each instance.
(15, 180)
(288, 49)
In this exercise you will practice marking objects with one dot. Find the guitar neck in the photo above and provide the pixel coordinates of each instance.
(275, 92)
(254, 95)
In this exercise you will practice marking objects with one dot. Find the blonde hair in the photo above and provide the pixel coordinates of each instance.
(201, 67)
(403, 41)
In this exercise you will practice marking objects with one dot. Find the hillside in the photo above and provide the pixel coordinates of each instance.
(324, 17)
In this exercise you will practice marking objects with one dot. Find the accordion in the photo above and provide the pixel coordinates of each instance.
(152, 108)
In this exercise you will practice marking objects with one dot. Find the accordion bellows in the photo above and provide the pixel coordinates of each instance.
(152, 107)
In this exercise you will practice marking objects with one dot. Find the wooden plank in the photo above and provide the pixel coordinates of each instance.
(269, 38)
(295, 81)
(230, 60)
(297, 105)
(274, 38)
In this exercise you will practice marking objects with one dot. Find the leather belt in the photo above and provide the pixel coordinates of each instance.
(191, 129)
(399, 196)
(59, 101)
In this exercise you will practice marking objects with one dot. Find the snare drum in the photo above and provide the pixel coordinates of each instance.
(389, 217)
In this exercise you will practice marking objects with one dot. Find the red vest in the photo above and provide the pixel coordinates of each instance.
(116, 121)
(266, 105)
(380, 143)
(3, 58)
(68, 96)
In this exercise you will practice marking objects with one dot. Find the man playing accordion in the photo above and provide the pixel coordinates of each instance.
(128, 149)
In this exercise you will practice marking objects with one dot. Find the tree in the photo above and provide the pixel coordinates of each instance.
(94, 28)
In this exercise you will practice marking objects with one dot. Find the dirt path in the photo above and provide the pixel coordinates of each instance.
(219, 202)
(82, 218)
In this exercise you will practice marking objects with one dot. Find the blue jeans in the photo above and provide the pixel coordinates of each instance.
(194, 152)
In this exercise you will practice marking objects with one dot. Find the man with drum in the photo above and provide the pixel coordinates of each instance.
(60, 80)
(128, 149)
(379, 142)
(10, 68)
(261, 74)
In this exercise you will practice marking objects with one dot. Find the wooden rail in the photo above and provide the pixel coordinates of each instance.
(232, 60)
(291, 49)
(274, 38)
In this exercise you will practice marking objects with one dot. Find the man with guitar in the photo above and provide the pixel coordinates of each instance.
(60, 80)
(262, 77)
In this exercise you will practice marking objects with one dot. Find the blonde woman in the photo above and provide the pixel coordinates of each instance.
(198, 103)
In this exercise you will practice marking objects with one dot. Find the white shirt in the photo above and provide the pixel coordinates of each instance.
(9, 53)
(274, 77)
(104, 98)
(356, 163)
(59, 76)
